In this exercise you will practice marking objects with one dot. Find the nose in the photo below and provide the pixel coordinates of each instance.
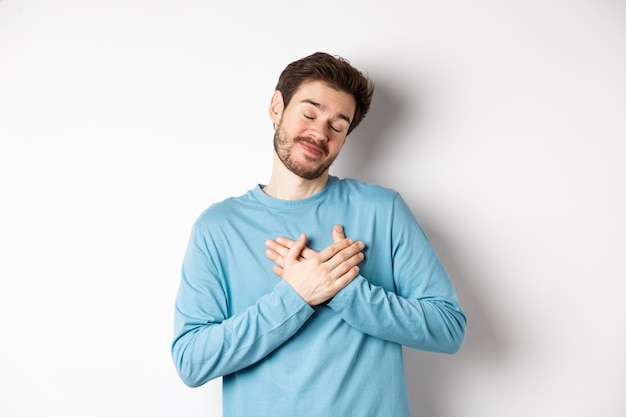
(317, 131)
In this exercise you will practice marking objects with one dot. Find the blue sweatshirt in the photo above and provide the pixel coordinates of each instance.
(278, 356)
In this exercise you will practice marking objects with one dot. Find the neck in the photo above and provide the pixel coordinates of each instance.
(285, 185)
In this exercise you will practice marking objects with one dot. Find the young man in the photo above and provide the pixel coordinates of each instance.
(312, 323)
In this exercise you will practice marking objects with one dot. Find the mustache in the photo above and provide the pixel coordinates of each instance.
(321, 145)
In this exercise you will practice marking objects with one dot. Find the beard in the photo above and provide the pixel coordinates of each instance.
(284, 149)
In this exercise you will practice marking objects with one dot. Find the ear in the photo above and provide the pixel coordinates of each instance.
(276, 107)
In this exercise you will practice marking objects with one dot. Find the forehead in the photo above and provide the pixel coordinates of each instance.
(330, 99)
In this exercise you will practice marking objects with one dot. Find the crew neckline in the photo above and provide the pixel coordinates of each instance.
(266, 200)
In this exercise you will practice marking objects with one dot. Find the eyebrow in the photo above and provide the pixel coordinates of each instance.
(319, 106)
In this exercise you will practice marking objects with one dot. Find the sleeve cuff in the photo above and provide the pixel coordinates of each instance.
(290, 298)
(345, 297)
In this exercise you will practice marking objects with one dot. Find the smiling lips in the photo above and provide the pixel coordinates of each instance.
(312, 148)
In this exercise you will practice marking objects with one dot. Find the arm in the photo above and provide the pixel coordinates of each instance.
(210, 342)
(430, 323)
(422, 312)
(207, 342)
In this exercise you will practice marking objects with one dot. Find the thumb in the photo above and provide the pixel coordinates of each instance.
(338, 233)
(297, 247)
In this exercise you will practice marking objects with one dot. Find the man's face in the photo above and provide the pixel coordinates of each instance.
(312, 129)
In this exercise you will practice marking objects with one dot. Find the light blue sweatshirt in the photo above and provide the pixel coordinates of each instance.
(280, 357)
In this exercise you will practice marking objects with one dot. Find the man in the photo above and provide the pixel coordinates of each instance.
(312, 323)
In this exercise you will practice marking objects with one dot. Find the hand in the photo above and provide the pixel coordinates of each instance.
(277, 249)
(316, 276)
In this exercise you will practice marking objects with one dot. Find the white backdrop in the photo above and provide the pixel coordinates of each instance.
(503, 124)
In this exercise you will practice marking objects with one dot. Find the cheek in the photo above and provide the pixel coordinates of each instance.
(299, 126)
(335, 145)
(292, 127)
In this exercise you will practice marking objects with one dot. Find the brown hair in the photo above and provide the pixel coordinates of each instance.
(333, 70)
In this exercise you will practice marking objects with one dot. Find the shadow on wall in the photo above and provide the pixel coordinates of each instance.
(426, 372)
(365, 147)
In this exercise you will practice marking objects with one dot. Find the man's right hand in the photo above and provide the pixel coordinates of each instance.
(316, 276)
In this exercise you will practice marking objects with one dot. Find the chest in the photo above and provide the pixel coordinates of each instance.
(247, 272)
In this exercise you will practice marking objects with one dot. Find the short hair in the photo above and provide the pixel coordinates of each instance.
(334, 71)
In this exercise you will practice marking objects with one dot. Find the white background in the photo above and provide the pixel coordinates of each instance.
(503, 124)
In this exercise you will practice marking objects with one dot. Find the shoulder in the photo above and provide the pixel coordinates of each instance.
(366, 191)
(223, 211)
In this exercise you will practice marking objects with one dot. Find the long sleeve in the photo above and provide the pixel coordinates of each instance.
(208, 341)
(422, 310)
(430, 323)
(234, 318)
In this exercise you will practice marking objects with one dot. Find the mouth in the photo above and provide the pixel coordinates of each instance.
(312, 149)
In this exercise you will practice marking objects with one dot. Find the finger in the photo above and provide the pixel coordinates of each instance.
(284, 241)
(341, 252)
(275, 251)
(338, 233)
(278, 270)
(345, 279)
(334, 248)
(274, 256)
(294, 252)
(287, 243)
(344, 260)
(338, 270)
